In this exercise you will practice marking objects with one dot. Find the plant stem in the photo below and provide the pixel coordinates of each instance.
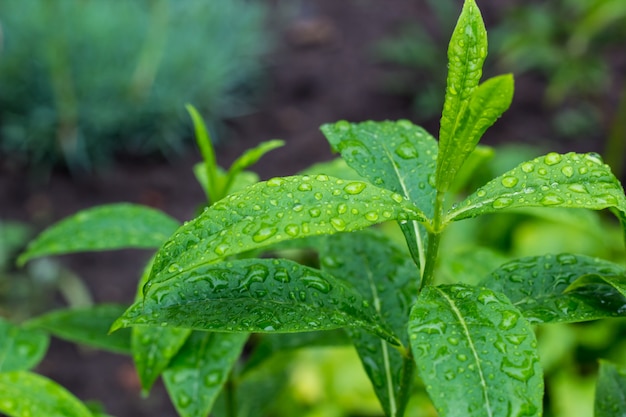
(433, 242)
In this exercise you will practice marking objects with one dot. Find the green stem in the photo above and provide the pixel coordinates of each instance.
(231, 398)
(433, 242)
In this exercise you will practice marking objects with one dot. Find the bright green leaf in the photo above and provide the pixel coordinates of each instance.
(89, 326)
(398, 156)
(254, 295)
(388, 280)
(610, 391)
(251, 157)
(274, 211)
(197, 373)
(24, 394)
(208, 154)
(112, 226)
(540, 287)
(20, 349)
(466, 54)
(240, 181)
(476, 353)
(486, 104)
(554, 180)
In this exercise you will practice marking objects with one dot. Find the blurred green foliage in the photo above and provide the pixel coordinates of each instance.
(80, 80)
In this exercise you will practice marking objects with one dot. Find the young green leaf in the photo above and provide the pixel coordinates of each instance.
(554, 180)
(398, 156)
(486, 104)
(466, 54)
(208, 154)
(274, 211)
(20, 349)
(112, 226)
(254, 295)
(197, 373)
(610, 391)
(387, 278)
(540, 287)
(476, 353)
(249, 158)
(239, 181)
(24, 394)
(87, 326)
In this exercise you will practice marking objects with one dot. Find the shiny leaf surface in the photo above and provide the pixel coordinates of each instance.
(88, 326)
(24, 394)
(554, 180)
(254, 295)
(398, 156)
(476, 353)
(610, 391)
(197, 373)
(20, 349)
(388, 280)
(540, 287)
(112, 226)
(274, 211)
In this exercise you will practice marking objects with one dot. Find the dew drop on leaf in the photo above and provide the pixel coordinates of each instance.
(263, 234)
(275, 182)
(372, 216)
(509, 182)
(568, 171)
(522, 372)
(509, 320)
(354, 188)
(406, 150)
(551, 200)
(315, 212)
(338, 224)
(528, 167)
(213, 379)
(281, 275)
(292, 230)
(502, 202)
(305, 186)
(316, 283)
(577, 188)
(552, 158)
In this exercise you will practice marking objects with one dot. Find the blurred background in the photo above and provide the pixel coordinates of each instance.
(92, 98)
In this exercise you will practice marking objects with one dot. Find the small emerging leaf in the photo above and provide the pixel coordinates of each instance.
(208, 154)
(274, 211)
(610, 391)
(25, 394)
(87, 326)
(541, 287)
(554, 180)
(252, 156)
(113, 226)
(20, 349)
(475, 353)
(202, 366)
(254, 295)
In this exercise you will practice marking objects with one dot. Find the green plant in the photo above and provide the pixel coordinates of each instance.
(471, 340)
(116, 78)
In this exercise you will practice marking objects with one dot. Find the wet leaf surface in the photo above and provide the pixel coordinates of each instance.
(20, 348)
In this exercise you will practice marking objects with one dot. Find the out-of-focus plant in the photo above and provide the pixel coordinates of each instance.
(81, 80)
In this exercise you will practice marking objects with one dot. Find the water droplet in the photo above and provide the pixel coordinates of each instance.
(552, 158)
(213, 379)
(354, 188)
(406, 150)
(275, 182)
(338, 224)
(594, 158)
(342, 126)
(583, 170)
(516, 339)
(316, 283)
(281, 275)
(342, 208)
(566, 259)
(174, 268)
(509, 182)
(528, 167)
(183, 400)
(322, 177)
(449, 375)
(397, 198)
(551, 200)
(453, 341)
(521, 372)
(372, 216)
(481, 193)
(509, 320)
(264, 233)
(221, 249)
(542, 171)
(502, 202)
(292, 230)
(305, 186)
(568, 171)
(315, 212)
(433, 327)
(461, 357)
(318, 196)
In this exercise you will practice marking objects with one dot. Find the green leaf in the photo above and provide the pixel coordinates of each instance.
(388, 280)
(208, 154)
(617, 282)
(466, 54)
(88, 326)
(20, 349)
(398, 156)
(274, 211)
(239, 182)
(254, 295)
(554, 180)
(24, 394)
(196, 375)
(112, 226)
(610, 391)
(476, 353)
(249, 158)
(540, 287)
(486, 105)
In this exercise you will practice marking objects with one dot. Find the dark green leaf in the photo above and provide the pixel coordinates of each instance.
(89, 326)
(112, 226)
(20, 349)
(25, 394)
(398, 156)
(539, 287)
(610, 391)
(554, 180)
(466, 54)
(618, 282)
(388, 280)
(486, 105)
(476, 353)
(254, 295)
(199, 370)
(274, 211)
